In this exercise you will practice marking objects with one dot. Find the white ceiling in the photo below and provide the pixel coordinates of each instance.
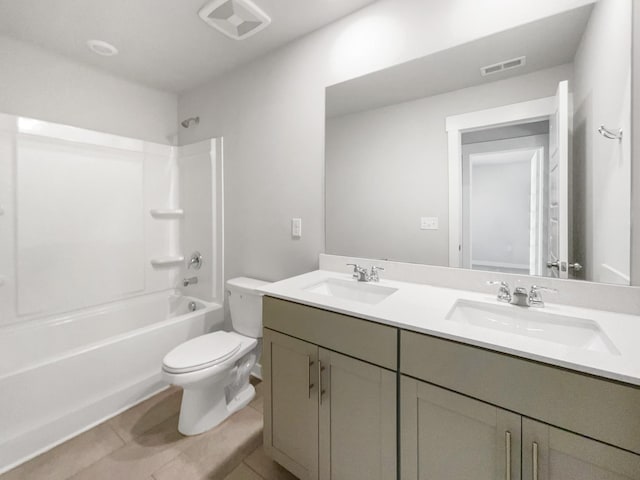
(546, 43)
(162, 43)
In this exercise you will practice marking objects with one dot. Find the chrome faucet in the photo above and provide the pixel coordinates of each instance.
(520, 297)
(362, 275)
(189, 281)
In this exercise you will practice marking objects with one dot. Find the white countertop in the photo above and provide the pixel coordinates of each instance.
(424, 308)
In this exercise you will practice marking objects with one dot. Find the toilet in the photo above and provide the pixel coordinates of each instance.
(214, 369)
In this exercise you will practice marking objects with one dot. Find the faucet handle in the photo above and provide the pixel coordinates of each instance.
(504, 292)
(535, 298)
(357, 269)
(374, 273)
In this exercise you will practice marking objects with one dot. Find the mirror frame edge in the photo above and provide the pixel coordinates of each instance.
(635, 144)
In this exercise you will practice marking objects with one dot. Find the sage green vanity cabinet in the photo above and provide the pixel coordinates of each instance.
(328, 415)
(331, 388)
(449, 436)
(461, 428)
(445, 435)
(549, 453)
(357, 419)
(291, 403)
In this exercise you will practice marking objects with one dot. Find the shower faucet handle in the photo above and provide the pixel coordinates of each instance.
(195, 261)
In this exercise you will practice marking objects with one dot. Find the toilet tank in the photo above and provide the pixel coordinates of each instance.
(245, 305)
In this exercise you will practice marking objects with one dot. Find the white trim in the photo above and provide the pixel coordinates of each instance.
(455, 125)
(536, 230)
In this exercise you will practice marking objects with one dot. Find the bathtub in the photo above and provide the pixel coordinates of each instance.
(63, 375)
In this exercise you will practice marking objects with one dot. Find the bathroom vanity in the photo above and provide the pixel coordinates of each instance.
(383, 381)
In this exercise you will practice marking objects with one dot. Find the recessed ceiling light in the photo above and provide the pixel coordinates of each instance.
(102, 48)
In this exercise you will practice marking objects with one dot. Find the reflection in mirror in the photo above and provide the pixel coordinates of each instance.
(491, 155)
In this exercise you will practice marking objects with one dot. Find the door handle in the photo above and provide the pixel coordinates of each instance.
(534, 463)
(507, 448)
(309, 384)
(322, 390)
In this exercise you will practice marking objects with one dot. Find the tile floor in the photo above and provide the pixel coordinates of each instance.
(144, 443)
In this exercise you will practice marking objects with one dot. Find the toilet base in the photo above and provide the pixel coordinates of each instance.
(204, 408)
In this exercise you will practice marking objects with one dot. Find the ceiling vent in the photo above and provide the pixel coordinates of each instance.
(503, 66)
(237, 19)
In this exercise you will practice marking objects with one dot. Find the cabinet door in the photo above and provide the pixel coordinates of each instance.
(357, 419)
(447, 436)
(549, 453)
(291, 403)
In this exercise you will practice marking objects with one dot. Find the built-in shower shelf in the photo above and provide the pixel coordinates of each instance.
(167, 213)
(166, 261)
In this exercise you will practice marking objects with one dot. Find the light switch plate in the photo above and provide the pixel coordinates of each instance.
(429, 223)
(296, 227)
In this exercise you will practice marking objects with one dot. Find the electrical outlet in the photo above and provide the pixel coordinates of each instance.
(429, 223)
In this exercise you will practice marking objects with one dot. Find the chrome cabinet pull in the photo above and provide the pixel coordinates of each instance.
(507, 448)
(311, 385)
(535, 460)
(322, 391)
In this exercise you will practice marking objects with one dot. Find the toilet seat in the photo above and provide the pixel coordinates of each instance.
(201, 352)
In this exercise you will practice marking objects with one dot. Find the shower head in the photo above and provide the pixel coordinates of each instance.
(190, 121)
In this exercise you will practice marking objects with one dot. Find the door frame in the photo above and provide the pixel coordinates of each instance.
(456, 125)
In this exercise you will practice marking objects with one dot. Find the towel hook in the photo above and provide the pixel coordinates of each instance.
(610, 134)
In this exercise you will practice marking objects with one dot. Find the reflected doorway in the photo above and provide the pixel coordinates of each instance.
(505, 198)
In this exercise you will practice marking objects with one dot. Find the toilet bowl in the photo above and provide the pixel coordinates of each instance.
(214, 369)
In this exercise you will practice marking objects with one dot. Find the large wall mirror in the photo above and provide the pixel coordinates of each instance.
(511, 153)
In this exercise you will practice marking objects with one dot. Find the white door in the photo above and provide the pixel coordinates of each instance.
(558, 227)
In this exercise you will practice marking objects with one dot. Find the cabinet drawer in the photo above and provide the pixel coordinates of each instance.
(361, 339)
(605, 410)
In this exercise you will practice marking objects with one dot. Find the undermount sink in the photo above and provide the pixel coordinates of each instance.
(352, 290)
(533, 323)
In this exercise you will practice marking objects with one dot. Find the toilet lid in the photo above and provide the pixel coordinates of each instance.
(201, 352)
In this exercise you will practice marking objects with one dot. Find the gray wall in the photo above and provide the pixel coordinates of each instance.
(39, 84)
(271, 114)
(387, 167)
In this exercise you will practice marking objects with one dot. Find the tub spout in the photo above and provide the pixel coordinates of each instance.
(189, 281)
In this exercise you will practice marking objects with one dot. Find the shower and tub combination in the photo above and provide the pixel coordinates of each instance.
(96, 236)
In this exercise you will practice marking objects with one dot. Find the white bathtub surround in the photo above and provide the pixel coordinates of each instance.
(430, 309)
(64, 375)
(201, 196)
(91, 241)
(598, 296)
(75, 233)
